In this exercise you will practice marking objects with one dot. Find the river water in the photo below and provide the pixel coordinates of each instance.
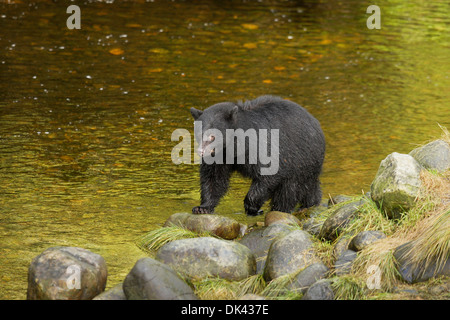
(86, 115)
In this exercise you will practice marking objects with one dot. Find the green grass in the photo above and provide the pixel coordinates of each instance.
(152, 241)
(348, 287)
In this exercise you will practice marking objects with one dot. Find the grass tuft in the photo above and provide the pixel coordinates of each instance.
(152, 241)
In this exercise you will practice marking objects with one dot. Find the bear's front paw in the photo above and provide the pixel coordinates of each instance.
(202, 210)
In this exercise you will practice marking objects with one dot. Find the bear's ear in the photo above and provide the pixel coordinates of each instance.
(196, 113)
(231, 115)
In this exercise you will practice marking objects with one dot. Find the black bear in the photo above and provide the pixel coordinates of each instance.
(293, 136)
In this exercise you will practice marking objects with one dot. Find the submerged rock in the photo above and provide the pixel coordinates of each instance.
(259, 241)
(365, 238)
(396, 184)
(288, 254)
(152, 280)
(413, 272)
(220, 226)
(199, 258)
(66, 273)
(434, 155)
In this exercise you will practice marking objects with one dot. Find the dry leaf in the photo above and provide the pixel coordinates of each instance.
(116, 51)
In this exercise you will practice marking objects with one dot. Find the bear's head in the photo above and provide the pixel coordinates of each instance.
(210, 127)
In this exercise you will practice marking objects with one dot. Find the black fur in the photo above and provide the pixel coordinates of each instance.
(301, 155)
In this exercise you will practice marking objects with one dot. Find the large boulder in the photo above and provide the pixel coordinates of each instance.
(288, 254)
(220, 226)
(413, 272)
(434, 155)
(199, 258)
(152, 280)
(260, 239)
(396, 184)
(66, 273)
(338, 220)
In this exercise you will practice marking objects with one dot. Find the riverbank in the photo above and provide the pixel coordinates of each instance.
(391, 243)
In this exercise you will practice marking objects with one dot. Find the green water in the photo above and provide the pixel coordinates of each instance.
(86, 115)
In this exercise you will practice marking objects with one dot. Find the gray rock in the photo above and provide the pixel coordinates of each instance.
(203, 257)
(279, 217)
(259, 241)
(365, 238)
(315, 211)
(307, 277)
(152, 280)
(288, 254)
(66, 273)
(434, 155)
(313, 226)
(339, 220)
(341, 246)
(177, 219)
(115, 293)
(418, 272)
(220, 226)
(338, 199)
(343, 264)
(396, 184)
(321, 290)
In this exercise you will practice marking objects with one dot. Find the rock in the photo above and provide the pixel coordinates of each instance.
(203, 257)
(220, 226)
(307, 277)
(413, 273)
(338, 199)
(343, 264)
(177, 219)
(288, 254)
(259, 241)
(242, 229)
(315, 211)
(434, 155)
(66, 273)
(341, 246)
(273, 217)
(152, 280)
(338, 220)
(321, 290)
(365, 238)
(251, 296)
(396, 184)
(115, 293)
(312, 226)
(440, 288)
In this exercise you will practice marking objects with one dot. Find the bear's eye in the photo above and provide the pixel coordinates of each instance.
(212, 138)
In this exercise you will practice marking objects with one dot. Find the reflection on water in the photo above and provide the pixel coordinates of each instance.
(86, 115)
